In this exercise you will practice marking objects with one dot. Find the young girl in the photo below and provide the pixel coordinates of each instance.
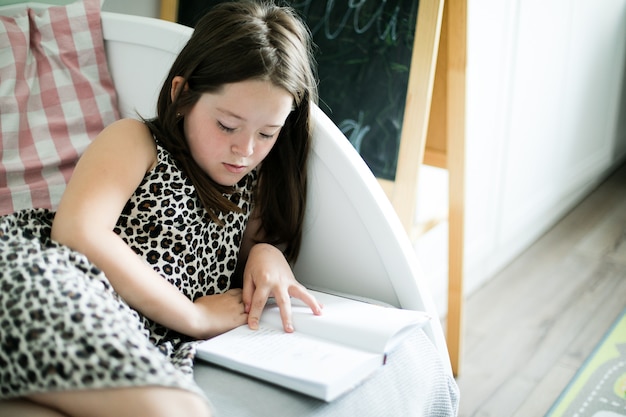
(100, 303)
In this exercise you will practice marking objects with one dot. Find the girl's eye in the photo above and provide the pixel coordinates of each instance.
(266, 136)
(225, 128)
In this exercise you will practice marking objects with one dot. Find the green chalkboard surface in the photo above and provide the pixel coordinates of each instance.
(363, 51)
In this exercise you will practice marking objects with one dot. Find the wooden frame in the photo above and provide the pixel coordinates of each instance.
(169, 10)
(434, 134)
(449, 116)
(402, 190)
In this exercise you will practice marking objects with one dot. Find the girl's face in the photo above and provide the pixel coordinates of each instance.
(230, 132)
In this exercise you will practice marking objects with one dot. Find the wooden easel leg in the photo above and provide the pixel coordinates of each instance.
(169, 10)
(455, 22)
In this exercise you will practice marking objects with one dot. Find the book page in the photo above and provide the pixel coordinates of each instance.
(287, 353)
(348, 322)
(294, 360)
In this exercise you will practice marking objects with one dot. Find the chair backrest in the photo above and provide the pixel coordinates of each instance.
(353, 240)
(140, 52)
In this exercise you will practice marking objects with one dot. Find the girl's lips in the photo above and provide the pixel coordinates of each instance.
(235, 169)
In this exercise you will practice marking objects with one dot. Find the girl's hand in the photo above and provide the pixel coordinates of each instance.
(268, 274)
(219, 313)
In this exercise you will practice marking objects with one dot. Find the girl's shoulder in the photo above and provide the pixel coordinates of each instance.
(132, 137)
(128, 127)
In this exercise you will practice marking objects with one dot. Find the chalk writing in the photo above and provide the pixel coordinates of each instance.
(386, 23)
(363, 50)
(355, 130)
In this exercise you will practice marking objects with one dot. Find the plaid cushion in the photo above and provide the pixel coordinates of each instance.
(56, 95)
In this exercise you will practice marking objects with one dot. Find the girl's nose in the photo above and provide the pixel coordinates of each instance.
(243, 146)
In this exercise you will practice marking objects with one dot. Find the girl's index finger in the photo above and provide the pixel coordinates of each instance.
(307, 298)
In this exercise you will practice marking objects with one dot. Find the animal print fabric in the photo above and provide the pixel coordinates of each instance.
(63, 326)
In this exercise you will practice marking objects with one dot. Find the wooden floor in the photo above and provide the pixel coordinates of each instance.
(530, 328)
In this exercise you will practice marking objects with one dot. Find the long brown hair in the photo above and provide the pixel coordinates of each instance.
(239, 41)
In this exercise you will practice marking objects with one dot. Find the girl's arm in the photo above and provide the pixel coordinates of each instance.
(104, 179)
(268, 274)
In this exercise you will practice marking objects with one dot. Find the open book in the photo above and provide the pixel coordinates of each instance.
(326, 356)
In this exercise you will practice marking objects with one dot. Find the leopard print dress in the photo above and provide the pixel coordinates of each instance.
(63, 326)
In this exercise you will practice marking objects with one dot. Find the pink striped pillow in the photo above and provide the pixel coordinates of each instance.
(56, 95)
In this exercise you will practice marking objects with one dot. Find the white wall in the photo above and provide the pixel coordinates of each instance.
(546, 122)
(545, 92)
(150, 8)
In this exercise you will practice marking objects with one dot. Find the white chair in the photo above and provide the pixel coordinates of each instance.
(353, 241)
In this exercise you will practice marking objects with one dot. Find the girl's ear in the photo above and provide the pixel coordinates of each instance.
(178, 82)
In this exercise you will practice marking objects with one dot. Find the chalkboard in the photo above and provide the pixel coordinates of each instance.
(363, 50)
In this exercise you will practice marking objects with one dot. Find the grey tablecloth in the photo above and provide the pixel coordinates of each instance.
(414, 382)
